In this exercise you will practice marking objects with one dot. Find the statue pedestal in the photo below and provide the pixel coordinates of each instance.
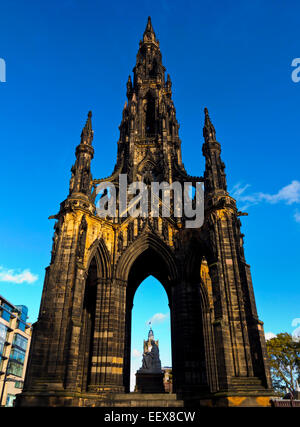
(149, 382)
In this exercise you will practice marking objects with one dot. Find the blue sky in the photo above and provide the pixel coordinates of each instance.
(64, 58)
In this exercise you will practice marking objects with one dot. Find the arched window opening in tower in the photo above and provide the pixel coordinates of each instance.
(150, 115)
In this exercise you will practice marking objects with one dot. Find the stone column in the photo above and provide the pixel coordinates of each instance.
(108, 346)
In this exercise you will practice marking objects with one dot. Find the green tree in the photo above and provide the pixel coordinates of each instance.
(284, 360)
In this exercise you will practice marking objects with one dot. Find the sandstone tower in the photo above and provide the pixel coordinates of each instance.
(80, 351)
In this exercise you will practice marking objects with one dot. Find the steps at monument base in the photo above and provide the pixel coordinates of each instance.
(147, 400)
(246, 383)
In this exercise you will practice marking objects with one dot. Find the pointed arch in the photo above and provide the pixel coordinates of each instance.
(97, 273)
(148, 242)
(148, 159)
(196, 251)
(98, 251)
(147, 255)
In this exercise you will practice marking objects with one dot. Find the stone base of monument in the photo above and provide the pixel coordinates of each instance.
(153, 400)
(149, 382)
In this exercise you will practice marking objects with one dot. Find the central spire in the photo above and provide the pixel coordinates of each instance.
(149, 60)
(149, 34)
(149, 144)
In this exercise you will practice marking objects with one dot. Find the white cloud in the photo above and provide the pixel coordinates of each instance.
(297, 216)
(289, 194)
(136, 353)
(296, 335)
(238, 190)
(157, 318)
(296, 332)
(296, 322)
(269, 335)
(12, 276)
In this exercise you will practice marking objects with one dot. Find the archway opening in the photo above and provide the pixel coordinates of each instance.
(154, 260)
(150, 304)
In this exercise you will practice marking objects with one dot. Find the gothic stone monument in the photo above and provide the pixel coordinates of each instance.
(149, 378)
(80, 351)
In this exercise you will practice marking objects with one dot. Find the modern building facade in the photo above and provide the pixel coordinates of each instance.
(80, 354)
(15, 336)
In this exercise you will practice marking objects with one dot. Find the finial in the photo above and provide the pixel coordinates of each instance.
(168, 82)
(209, 132)
(149, 33)
(87, 131)
(149, 24)
(150, 333)
(129, 86)
(88, 124)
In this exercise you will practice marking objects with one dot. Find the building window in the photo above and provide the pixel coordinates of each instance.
(20, 341)
(3, 334)
(19, 384)
(23, 312)
(21, 325)
(6, 309)
(14, 368)
(17, 355)
(10, 400)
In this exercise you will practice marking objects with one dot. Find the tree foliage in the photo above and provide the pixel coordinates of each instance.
(284, 360)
